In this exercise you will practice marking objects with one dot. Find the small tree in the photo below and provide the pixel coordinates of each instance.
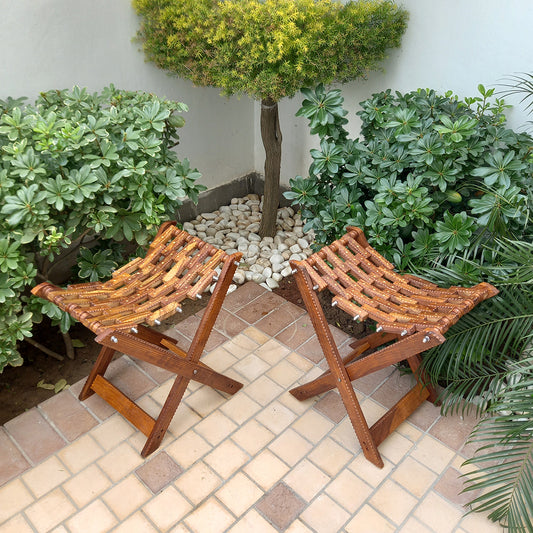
(269, 50)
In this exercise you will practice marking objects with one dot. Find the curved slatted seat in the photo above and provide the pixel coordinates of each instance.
(147, 291)
(410, 312)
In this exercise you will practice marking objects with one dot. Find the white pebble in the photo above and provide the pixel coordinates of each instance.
(258, 278)
(272, 283)
(239, 277)
(287, 271)
(295, 249)
(276, 258)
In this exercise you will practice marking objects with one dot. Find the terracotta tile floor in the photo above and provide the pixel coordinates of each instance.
(259, 461)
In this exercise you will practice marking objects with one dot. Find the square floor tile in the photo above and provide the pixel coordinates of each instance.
(324, 515)
(136, 523)
(188, 449)
(453, 430)
(198, 483)
(251, 367)
(239, 494)
(431, 453)
(272, 352)
(331, 406)
(167, 508)
(95, 518)
(297, 332)
(276, 417)
(126, 497)
(215, 428)
(34, 435)
(330, 457)
(306, 479)
(252, 437)
(349, 491)
(87, 485)
(438, 514)
(46, 476)
(253, 521)
(50, 510)
(68, 415)
(281, 506)
(290, 447)
(14, 497)
(120, 462)
(285, 374)
(368, 520)
(17, 525)
(266, 469)
(210, 517)
(158, 471)
(81, 453)
(113, 431)
(226, 459)
(274, 322)
(414, 476)
(393, 501)
(313, 426)
(240, 408)
(260, 307)
(451, 485)
(12, 462)
(246, 294)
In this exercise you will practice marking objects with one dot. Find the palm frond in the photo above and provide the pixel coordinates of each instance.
(505, 458)
(521, 85)
(475, 357)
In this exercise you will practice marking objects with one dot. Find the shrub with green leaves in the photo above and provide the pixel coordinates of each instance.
(442, 186)
(431, 175)
(80, 175)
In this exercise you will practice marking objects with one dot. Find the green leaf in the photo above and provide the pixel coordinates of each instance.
(77, 343)
(42, 385)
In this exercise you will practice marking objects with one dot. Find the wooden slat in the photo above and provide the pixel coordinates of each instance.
(120, 402)
(398, 413)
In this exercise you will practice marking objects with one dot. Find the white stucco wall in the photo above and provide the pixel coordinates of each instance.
(448, 45)
(56, 44)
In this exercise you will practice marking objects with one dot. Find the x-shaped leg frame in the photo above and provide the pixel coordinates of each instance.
(161, 350)
(342, 371)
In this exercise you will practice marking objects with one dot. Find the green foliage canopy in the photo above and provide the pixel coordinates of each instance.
(272, 48)
(431, 176)
(80, 174)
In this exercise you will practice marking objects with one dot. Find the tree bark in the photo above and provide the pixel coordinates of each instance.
(271, 137)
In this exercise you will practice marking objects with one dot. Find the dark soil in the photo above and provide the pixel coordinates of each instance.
(288, 289)
(18, 385)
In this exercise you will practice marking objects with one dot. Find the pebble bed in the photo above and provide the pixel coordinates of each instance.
(234, 227)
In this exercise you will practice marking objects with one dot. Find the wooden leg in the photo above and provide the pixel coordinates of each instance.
(338, 371)
(165, 416)
(100, 366)
(193, 355)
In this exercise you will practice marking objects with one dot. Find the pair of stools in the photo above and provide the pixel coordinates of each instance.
(411, 316)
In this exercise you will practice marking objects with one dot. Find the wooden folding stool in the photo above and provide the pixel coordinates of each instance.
(146, 291)
(412, 315)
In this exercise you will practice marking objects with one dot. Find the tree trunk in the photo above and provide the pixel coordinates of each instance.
(271, 137)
